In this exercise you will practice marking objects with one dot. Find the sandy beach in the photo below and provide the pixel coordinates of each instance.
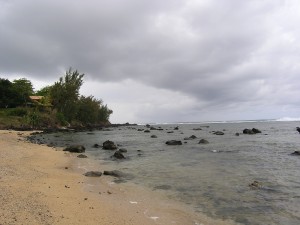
(40, 185)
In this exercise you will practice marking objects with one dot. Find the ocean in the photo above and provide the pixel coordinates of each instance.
(214, 178)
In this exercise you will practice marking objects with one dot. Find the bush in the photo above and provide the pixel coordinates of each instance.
(18, 112)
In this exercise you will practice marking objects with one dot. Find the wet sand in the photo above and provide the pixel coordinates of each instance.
(42, 185)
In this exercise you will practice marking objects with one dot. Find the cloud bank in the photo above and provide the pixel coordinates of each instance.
(162, 60)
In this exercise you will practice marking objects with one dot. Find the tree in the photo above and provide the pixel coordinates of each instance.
(24, 89)
(104, 113)
(88, 109)
(65, 94)
(6, 93)
(43, 91)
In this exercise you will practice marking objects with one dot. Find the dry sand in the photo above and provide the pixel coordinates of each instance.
(40, 185)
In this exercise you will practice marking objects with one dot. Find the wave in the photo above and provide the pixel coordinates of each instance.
(286, 119)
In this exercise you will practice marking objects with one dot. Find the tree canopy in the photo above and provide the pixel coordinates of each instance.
(63, 98)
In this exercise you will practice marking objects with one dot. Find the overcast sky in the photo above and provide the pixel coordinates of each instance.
(162, 61)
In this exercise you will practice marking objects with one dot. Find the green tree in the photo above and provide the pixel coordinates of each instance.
(104, 113)
(24, 89)
(7, 94)
(65, 93)
(45, 91)
(88, 108)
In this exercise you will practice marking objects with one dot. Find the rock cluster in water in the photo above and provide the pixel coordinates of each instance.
(251, 131)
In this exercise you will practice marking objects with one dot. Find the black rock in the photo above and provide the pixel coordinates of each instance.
(298, 129)
(147, 131)
(96, 146)
(109, 145)
(190, 138)
(81, 156)
(296, 153)
(119, 155)
(153, 136)
(256, 131)
(93, 174)
(248, 131)
(218, 133)
(251, 131)
(176, 128)
(203, 141)
(237, 134)
(174, 142)
(75, 148)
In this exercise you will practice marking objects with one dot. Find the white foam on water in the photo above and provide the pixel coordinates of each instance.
(287, 119)
(131, 202)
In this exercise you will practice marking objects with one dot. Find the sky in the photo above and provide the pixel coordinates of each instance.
(162, 61)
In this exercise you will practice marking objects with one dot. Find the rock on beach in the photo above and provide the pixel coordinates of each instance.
(75, 148)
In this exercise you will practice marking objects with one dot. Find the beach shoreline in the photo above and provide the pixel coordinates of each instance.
(43, 185)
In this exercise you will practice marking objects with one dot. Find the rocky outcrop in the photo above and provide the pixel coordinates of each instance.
(251, 131)
(109, 145)
(174, 142)
(75, 148)
(93, 174)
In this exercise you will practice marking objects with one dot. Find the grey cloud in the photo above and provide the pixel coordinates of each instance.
(218, 52)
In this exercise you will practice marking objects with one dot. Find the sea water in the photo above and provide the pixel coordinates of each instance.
(212, 178)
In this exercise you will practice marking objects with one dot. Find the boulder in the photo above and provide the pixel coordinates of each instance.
(81, 156)
(75, 148)
(96, 146)
(147, 131)
(237, 134)
(190, 138)
(153, 136)
(109, 145)
(298, 129)
(203, 141)
(174, 142)
(296, 153)
(218, 133)
(119, 155)
(251, 131)
(176, 128)
(256, 131)
(248, 131)
(93, 174)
